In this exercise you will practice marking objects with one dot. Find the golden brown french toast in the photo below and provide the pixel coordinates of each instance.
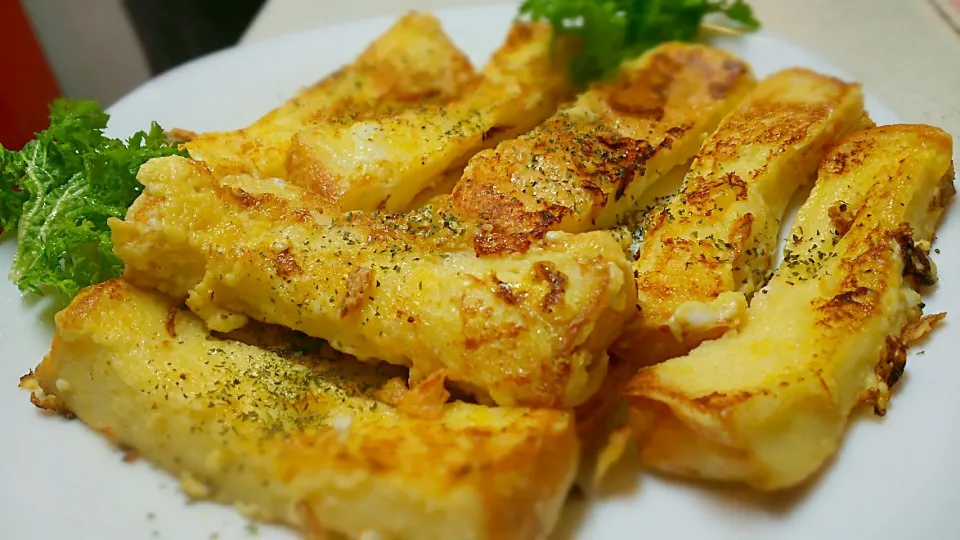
(525, 328)
(710, 247)
(587, 166)
(767, 404)
(293, 433)
(384, 162)
(414, 63)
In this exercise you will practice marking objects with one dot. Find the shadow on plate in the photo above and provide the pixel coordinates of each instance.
(624, 480)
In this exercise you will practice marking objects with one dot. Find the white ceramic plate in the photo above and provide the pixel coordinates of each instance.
(894, 478)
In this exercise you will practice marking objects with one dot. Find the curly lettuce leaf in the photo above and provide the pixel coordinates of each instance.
(57, 193)
(12, 198)
(611, 31)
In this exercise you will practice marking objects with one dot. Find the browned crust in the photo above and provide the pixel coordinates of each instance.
(647, 93)
(924, 325)
(509, 499)
(714, 194)
(892, 364)
(170, 324)
(47, 402)
(509, 294)
(893, 360)
(916, 261)
(947, 191)
(748, 126)
(726, 258)
(573, 166)
(403, 79)
(427, 398)
(840, 217)
(604, 163)
(557, 281)
(309, 173)
(524, 67)
(355, 292)
(182, 135)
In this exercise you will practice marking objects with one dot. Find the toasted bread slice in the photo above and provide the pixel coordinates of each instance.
(767, 405)
(295, 436)
(708, 249)
(383, 163)
(412, 64)
(527, 328)
(586, 167)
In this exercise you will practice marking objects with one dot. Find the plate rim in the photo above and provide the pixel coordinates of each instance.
(285, 40)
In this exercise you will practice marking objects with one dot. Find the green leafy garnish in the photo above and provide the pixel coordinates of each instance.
(611, 31)
(57, 193)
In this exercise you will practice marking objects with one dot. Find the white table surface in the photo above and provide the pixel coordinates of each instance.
(904, 51)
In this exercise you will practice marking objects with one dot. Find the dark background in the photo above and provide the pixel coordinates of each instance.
(175, 31)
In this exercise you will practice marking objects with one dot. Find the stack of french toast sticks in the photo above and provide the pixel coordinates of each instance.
(406, 302)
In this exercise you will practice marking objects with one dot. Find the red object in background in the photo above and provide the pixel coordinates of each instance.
(27, 85)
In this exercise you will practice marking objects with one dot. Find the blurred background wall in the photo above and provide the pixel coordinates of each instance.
(100, 49)
(91, 46)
